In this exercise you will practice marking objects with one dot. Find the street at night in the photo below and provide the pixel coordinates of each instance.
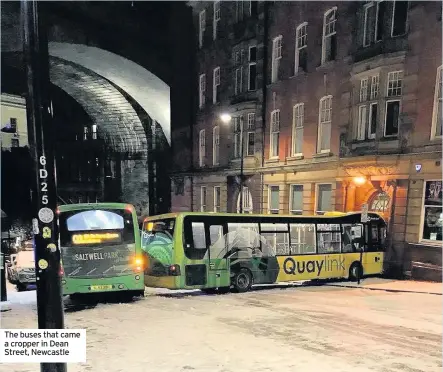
(221, 186)
(302, 328)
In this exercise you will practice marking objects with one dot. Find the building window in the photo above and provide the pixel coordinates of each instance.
(202, 148)
(324, 202)
(238, 83)
(296, 202)
(202, 27)
(437, 116)
(253, 7)
(399, 18)
(251, 121)
(239, 11)
(251, 135)
(364, 89)
(202, 90)
(251, 144)
(432, 211)
(276, 57)
(394, 86)
(94, 131)
(380, 203)
(373, 115)
(216, 18)
(15, 142)
(238, 137)
(203, 195)
(217, 197)
(13, 125)
(274, 199)
(247, 201)
(298, 113)
(215, 84)
(324, 125)
(373, 22)
(85, 133)
(361, 125)
(329, 45)
(375, 86)
(252, 68)
(216, 145)
(392, 118)
(275, 134)
(301, 48)
(366, 125)
(392, 115)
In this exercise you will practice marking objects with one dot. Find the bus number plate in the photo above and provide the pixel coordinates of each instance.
(100, 287)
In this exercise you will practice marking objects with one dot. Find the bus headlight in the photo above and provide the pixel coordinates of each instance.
(121, 286)
(137, 277)
(174, 270)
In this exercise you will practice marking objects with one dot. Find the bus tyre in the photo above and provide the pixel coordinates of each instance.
(355, 271)
(242, 281)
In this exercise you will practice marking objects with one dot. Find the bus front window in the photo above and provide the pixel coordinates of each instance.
(157, 239)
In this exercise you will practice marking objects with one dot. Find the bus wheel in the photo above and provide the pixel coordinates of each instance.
(355, 271)
(242, 281)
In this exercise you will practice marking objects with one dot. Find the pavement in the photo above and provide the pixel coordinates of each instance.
(333, 328)
(406, 286)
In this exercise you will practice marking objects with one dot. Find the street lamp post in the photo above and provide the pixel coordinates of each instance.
(241, 166)
(226, 118)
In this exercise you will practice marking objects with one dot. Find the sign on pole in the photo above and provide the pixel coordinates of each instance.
(364, 213)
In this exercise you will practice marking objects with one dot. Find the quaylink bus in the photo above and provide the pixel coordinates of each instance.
(100, 249)
(217, 251)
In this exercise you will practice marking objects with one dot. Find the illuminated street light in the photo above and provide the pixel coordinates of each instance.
(360, 180)
(225, 118)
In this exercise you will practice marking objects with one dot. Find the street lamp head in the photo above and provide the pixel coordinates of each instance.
(225, 118)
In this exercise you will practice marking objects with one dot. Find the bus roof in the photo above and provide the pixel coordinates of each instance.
(85, 206)
(328, 215)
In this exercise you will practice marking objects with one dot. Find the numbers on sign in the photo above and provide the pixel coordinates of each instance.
(45, 199)
(44, 186)
(43, 160)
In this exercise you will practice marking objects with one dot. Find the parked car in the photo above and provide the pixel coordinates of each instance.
(10, 268)
(25, 270)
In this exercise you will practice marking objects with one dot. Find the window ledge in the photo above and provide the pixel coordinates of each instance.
(295, 157)
(272, 160)
(326, 65)
(430, 243)
(322, 154)
(298, 74)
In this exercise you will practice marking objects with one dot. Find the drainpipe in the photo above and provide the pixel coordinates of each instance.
(264, 94)
(392, 216)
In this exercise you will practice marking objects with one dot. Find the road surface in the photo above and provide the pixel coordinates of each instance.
(310, 328)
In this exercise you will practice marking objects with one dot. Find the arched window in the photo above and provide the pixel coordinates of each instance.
(380, 202)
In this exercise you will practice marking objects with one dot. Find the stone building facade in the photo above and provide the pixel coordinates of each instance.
(352, 116)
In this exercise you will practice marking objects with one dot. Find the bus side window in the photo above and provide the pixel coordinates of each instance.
(198, 248)
(217, 248)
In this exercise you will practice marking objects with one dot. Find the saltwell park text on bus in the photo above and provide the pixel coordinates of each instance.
(218, 251)
(100, 249)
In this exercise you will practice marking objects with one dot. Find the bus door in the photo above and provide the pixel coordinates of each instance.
(218, 264)
(374, 254)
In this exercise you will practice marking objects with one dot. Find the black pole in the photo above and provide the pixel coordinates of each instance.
(42, 142)
(242, 156)
(4, 295)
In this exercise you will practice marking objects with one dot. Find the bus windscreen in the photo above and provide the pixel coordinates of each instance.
(97, 242)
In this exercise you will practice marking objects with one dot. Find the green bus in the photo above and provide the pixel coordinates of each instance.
(218, 251)
(100, 249)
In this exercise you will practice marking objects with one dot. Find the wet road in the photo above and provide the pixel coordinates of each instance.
(281, 329)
